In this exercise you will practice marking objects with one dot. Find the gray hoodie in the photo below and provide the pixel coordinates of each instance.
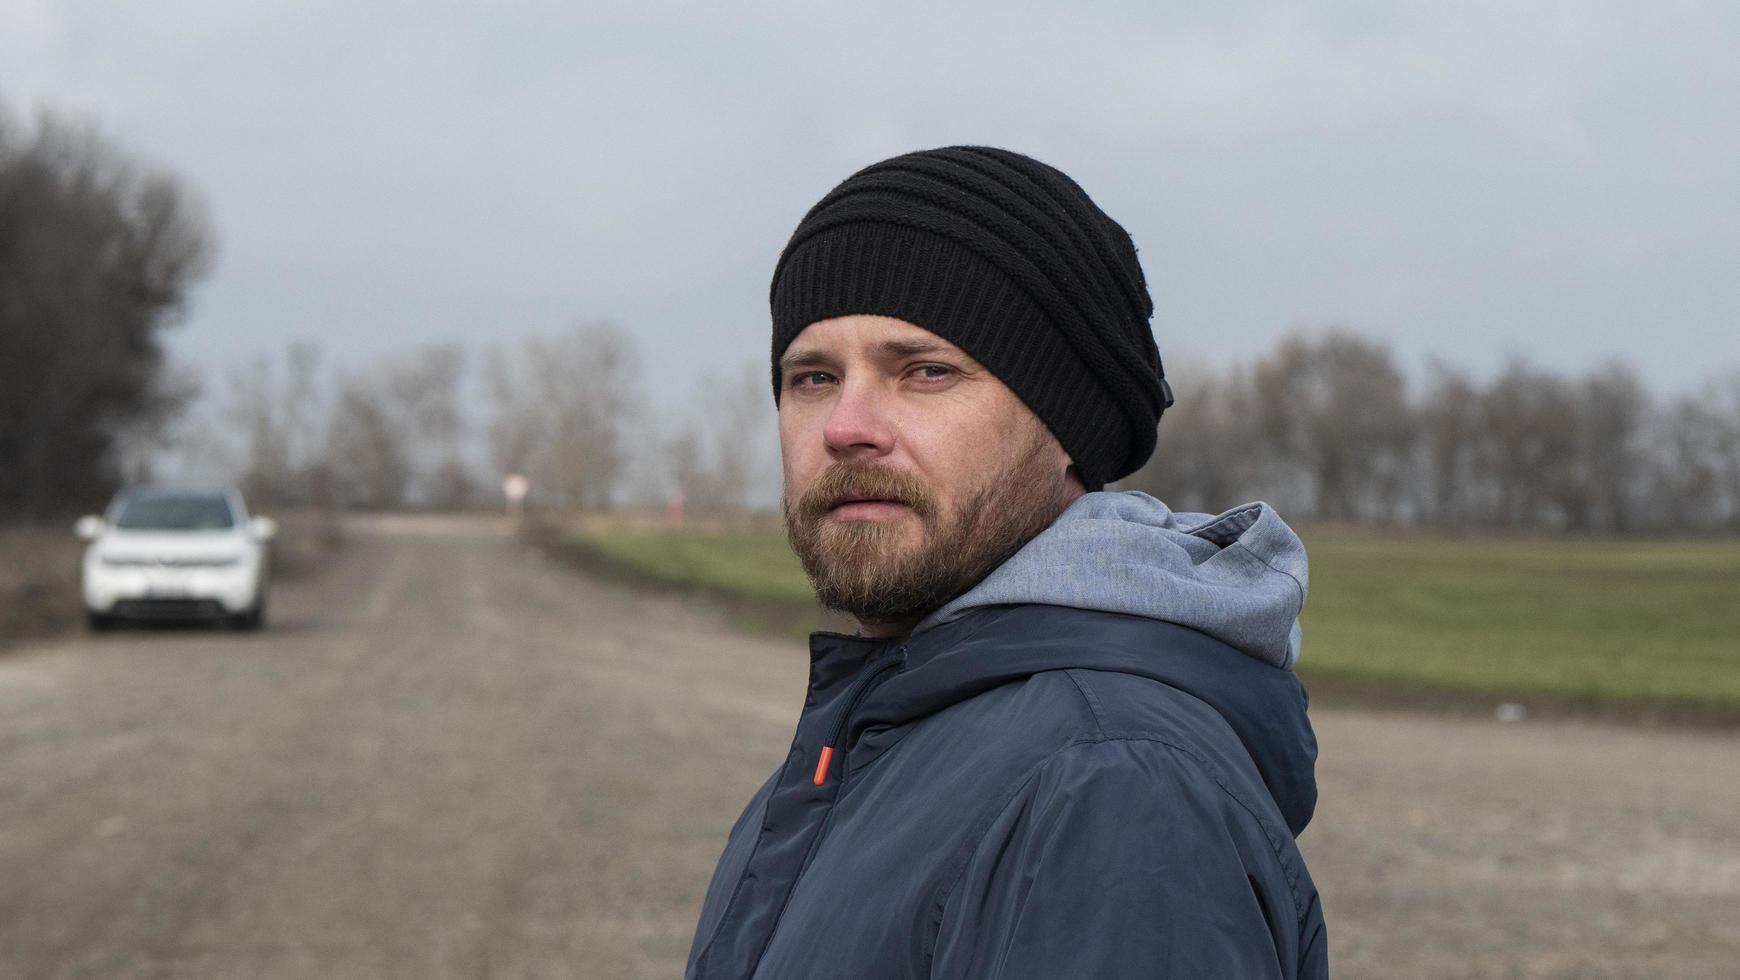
(1240, 576)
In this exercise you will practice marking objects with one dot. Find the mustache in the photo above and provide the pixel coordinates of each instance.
(843, 482)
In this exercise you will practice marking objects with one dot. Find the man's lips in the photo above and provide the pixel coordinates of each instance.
(866, 508)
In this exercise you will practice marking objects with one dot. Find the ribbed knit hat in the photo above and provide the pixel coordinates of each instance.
(1009, 260)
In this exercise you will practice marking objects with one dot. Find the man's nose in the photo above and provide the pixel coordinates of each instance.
(859, 424)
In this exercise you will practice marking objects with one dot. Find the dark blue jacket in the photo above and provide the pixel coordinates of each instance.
(1027, 791)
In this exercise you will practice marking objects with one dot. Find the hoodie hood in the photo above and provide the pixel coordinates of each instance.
(1239, 577)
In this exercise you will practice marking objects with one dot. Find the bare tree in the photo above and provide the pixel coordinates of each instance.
(1686, 475)
(1535, 433)
(725, 458)
(1694, 470)
(366, 448)
(1203, 460)
(562, 408)
(1336, 405)
(1722, 395)
(279, 416)
(1615, 409)
(423, 391)
(1451, 453)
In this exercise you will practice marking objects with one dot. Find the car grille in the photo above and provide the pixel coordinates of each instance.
(168, 608)
(219, 562)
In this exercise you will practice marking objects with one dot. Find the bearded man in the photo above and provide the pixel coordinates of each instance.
(1067, 740)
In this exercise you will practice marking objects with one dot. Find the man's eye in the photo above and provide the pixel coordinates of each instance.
(933, 372)
(810, 379)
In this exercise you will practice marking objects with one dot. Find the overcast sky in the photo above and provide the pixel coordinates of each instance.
(1559, 181)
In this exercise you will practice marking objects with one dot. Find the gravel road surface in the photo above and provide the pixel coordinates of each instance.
(450, 758)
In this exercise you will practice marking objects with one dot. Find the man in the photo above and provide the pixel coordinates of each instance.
(1067, 740)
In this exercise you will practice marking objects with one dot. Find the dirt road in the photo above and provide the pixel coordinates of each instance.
(450, 758)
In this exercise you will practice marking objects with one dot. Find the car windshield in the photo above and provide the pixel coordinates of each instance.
(180, 512)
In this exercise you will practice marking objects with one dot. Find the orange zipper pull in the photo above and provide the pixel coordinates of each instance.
(822, 764)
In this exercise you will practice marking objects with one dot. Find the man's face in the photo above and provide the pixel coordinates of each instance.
(911, 471)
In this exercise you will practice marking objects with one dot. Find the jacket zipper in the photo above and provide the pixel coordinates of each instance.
(861, 688)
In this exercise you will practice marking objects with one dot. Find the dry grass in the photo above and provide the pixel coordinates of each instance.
(306, 540)
(39, 580)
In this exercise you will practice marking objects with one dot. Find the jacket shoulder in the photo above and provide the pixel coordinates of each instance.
(1141, 827)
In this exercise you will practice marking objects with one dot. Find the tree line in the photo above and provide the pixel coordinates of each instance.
(440, 427)
(1327, 427)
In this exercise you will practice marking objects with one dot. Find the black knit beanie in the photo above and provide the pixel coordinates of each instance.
(1009, 260)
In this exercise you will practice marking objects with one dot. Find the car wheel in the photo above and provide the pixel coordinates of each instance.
(98, 622)
(252, 620)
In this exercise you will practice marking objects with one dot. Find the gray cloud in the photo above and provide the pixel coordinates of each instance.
(1551, 180)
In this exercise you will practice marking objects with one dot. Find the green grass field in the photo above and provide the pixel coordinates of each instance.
(1647, 623)
(1598, 621)
(747, 564)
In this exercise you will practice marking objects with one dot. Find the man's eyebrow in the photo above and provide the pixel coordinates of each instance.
(888, 348)
(802, 358)
(909, 348)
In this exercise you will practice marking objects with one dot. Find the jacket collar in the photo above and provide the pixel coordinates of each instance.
(991, 646)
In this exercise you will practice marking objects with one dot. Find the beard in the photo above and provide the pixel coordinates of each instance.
(868, 570)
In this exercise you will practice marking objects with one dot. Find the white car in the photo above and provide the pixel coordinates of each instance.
(174, 553)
